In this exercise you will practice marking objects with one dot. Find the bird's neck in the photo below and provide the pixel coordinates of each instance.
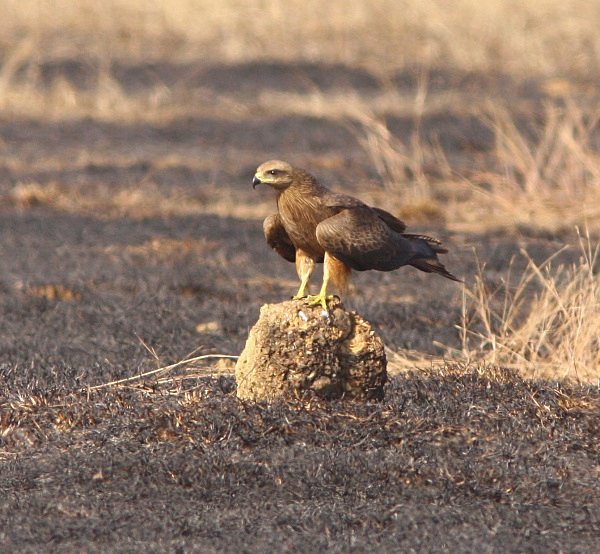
(303, 185)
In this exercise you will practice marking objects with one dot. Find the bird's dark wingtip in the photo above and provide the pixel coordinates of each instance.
(433, 265)
(445, 273)
(454, 278)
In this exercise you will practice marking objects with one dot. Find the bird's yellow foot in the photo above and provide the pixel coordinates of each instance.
(319, 300)
(301, 292)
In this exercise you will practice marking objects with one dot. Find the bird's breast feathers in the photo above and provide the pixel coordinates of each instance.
(300, 214)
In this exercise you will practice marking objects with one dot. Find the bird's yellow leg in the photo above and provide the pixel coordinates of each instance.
(301, 291)
(321, 298)
(304, 267)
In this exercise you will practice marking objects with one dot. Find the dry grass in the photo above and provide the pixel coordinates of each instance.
(508, 36)
(539, 39)
(551, 181)
(545, 322)
(173, 378)
(402, 165)
(139, 200)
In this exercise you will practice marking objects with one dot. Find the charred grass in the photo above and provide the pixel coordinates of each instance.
(478, 455)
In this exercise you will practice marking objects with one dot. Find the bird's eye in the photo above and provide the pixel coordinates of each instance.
(272, 172)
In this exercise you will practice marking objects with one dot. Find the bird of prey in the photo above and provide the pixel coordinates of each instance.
(315, 225)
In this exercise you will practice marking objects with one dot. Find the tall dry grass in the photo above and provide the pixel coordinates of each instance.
(521, 39)
(544, 321)
(546, 178)
(546, 36)
(550, 180)
(543, 172)
(398, 162)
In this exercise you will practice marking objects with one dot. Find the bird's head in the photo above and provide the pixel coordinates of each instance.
(275, 173)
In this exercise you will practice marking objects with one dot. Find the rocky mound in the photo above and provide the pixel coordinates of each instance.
(296, 350)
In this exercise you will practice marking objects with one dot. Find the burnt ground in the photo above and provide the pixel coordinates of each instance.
(120, 238)
(452, 461)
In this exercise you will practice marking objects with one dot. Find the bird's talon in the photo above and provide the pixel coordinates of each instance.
(319, 300)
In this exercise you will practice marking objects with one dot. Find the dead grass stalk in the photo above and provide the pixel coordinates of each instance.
(550, 180)
(164, 370)
(546, 323)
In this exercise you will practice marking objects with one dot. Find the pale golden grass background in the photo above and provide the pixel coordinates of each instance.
(548, 181)
(541, 38)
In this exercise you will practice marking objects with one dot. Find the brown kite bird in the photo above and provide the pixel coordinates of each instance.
(314, 225)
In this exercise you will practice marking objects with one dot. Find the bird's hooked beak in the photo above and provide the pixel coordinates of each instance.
(256, 181)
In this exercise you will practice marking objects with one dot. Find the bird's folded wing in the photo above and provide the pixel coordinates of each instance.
(337, 200)
(278, 239)
(343, 201)
(362, 240)
(391, 221)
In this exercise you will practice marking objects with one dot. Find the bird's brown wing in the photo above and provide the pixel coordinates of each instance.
(344, 201)
(362, 240)
(278, 239)
(337, 200)
(391, 221)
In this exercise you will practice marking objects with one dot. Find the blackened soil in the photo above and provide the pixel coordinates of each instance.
(453, 460)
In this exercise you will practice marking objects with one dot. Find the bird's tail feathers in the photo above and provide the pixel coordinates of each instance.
(433, 265)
